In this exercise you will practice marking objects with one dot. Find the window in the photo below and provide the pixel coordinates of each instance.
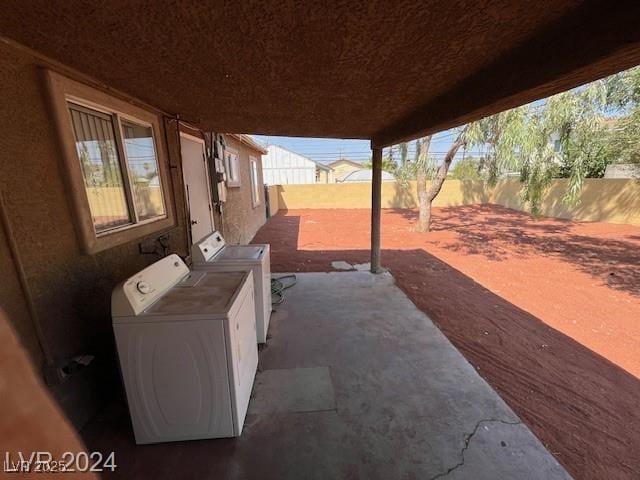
(143, 171)
(232, 166)
(113, 202)
(557, 146)
(255, 182)
(115, 165)
(556, 142)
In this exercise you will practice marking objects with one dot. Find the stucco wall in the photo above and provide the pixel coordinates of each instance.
(13, 300)
(358, 195)
(240, 220)
(601, 200)
(604, 200)
(274, 203)
(70, 290)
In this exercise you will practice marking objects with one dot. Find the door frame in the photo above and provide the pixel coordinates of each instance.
(201, 141)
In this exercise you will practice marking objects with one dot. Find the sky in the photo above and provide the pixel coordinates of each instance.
(327, 150)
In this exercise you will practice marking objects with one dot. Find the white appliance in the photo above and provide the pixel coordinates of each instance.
(187, 348)
(213, 254)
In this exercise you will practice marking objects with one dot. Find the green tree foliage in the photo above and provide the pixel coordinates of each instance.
(467, 169)
(624, 139)
(624, 136)
(577, 117)
(505, 139)
(574, 134)
(388, 164)
(404, 152)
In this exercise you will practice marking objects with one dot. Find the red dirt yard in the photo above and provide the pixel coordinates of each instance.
(548, 311)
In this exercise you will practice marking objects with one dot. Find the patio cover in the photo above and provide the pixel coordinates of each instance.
(385, 71)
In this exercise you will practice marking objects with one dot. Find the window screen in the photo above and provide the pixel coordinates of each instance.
(98, 154)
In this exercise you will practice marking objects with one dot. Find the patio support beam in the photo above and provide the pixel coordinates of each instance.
(376, 204)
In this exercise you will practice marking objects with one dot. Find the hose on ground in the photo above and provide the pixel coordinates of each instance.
(278, 286)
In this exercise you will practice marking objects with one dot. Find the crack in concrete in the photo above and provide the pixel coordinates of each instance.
(467, 441)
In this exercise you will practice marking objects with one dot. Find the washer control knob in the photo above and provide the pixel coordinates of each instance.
(143, 287)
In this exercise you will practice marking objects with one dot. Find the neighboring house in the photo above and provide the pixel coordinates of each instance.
(363, 175)
(622, 170)
(344, 166)
(282, 166)
(324, 173)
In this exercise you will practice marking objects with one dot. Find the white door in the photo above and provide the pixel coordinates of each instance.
(196, 182)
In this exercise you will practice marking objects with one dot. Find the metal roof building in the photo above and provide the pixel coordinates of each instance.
(281, 166)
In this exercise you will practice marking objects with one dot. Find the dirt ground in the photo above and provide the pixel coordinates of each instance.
(548, 311)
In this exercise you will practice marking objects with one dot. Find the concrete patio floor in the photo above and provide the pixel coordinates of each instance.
(375, 390)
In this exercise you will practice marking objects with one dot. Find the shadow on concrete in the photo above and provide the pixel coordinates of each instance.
(582, 406)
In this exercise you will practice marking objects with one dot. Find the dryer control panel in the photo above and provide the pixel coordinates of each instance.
(143, 289)
(208, 248)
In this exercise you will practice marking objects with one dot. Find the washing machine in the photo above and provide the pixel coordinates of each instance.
(213, 254)
(187, 348)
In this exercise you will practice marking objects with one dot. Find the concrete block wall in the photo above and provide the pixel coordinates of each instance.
(602, 200)
(274, 204)
(358, 195)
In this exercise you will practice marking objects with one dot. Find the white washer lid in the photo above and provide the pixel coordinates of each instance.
(241, 252)
(212, 296)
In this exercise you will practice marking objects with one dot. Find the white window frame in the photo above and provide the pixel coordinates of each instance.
(254, 173)
(63, 91)
(232, 156)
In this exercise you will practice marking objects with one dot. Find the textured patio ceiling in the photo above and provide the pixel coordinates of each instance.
(381, 70)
